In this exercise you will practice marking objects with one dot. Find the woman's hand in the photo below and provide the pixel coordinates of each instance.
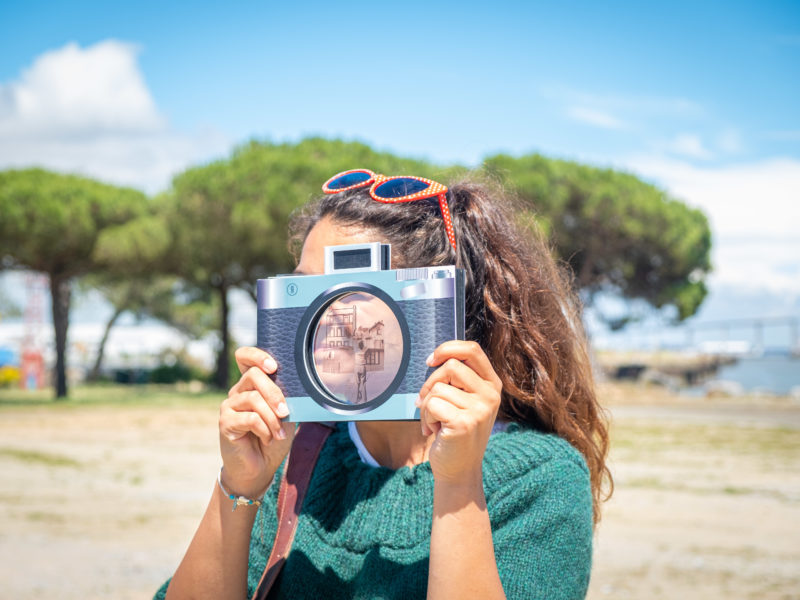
(253, 440)
(459, 403)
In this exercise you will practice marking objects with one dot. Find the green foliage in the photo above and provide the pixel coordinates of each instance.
(162, 297)
(165, 298)
(174, 373)
(224, 224)
(51, 222)
(233, 368)
(133, 246)
(618, 233)
(228, 219)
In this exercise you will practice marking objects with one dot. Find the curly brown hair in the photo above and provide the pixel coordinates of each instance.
(520, 306)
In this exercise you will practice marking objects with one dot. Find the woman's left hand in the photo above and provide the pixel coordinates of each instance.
(458, 403)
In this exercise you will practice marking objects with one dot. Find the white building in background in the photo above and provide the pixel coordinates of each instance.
(130, 346)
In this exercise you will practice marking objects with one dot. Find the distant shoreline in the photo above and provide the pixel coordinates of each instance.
(774, 371)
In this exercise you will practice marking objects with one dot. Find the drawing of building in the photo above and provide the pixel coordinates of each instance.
(370, 342)
(346, 343)
(337, 344)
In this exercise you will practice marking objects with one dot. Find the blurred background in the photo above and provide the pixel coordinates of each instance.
(151, 154)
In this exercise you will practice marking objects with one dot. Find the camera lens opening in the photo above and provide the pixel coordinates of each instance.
(357, 348)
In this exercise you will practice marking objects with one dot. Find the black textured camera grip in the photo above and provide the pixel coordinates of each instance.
(431, 322)
(277, 329)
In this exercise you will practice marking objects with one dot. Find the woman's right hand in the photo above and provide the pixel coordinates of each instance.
(253, 441)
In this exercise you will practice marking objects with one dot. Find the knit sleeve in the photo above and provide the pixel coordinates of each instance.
(542, 531)
(162, 591)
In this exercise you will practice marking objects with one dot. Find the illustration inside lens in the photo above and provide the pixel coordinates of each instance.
(358, 347)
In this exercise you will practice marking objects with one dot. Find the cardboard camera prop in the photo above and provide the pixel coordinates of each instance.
(351, 344)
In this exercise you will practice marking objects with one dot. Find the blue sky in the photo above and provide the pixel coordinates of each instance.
(700, 98)
(455, 81)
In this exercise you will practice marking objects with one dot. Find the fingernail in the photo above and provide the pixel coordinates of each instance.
(282, 410)
(270, 366)
(429, 360)
(281, 434)
(418, 401)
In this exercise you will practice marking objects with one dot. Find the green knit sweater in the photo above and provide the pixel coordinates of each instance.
(364, 532)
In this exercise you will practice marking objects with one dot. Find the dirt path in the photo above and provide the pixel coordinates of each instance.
(707, 502)
(101, 501)
(742, 416)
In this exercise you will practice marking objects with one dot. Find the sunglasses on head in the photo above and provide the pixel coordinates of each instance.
(390, 190)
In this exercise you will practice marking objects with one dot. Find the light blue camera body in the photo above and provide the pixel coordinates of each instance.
(337, 360)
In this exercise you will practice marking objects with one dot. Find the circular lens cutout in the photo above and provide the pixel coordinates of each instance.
(358, 348)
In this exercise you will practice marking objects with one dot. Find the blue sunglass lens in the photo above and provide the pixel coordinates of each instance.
(345, 181)
(402, 186)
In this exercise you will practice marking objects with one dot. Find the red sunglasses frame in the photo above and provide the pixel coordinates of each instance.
(434, 190)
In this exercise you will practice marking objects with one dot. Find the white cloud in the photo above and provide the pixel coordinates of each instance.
(640, 105)
(598, 118)
(730, 142)
(79, 91)
(753, 210)
(690, 146)
(768, 264)
(143, 160)
(89, 110)
(748, 200)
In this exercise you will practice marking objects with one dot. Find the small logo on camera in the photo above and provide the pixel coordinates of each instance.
(291, 289)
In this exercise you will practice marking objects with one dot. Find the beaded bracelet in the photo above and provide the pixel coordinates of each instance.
(241, 500)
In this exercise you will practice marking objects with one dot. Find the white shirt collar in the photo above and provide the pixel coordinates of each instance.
(368, 459)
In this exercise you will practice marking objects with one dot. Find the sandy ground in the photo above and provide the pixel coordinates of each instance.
(100, 500)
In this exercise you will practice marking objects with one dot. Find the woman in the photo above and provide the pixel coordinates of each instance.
(492, 494)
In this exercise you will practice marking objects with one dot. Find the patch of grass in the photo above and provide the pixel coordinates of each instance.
(43, 517)
(41, 458)
(654, 483)
(736, 491)
(648, 439)
(110, 395)
(645, 482)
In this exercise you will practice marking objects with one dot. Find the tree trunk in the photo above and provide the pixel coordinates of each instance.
(94, 375)
(60, 295)
(584, 277)
(221, 378)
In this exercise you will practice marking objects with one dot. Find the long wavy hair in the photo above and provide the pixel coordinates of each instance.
(520, 305)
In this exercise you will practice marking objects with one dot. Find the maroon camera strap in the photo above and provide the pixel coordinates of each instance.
(303, 456)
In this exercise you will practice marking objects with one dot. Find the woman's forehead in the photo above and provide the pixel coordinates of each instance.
(327, 232)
